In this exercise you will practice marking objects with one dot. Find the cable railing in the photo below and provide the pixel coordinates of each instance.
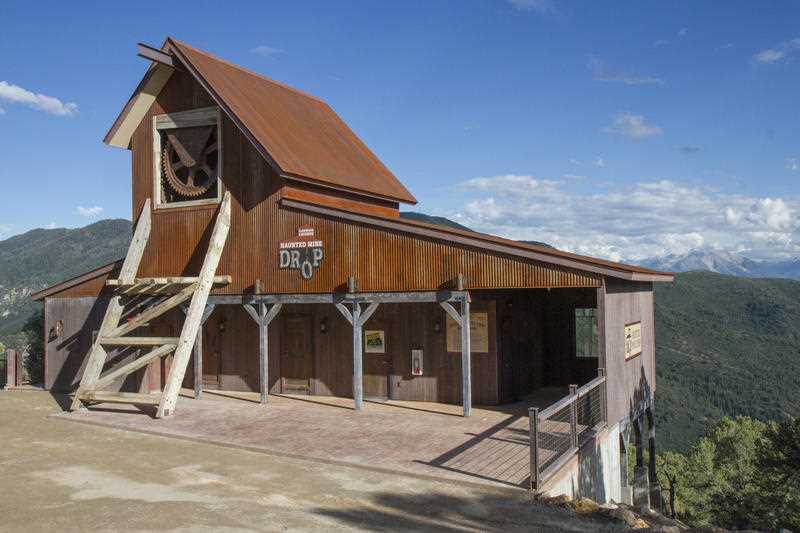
(557, 432)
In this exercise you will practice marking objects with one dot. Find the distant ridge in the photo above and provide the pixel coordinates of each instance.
(722, 262)
(430, 219)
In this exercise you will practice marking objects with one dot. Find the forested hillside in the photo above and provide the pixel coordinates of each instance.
(40, 257)
(725, 346)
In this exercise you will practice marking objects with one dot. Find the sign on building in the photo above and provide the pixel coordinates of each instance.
(416, 362)
(478, 333)
(374, 341)
(304, 254)
(633, 339)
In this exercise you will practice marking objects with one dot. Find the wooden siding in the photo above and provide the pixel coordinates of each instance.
(629, 382)
(65, 356)
(380, 259)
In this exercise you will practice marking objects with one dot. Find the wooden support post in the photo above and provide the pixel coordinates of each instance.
(655, 488)
(263, 359)
(573, 416)
(533, 422)
(641, 492)
(11, 368)
(358, 371)
(197, 352)
(625, 488)
(262, 317)
(466, 362)
(194, 314)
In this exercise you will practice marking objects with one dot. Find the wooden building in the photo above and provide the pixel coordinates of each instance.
(321, 288)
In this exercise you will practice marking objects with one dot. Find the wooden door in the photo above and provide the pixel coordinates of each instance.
(376, 371)
(296, 354)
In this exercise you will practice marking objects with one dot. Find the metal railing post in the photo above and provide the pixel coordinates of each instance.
(573, 415)
(601, 372)
(533, 421)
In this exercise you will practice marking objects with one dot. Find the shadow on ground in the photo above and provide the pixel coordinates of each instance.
(434, 511)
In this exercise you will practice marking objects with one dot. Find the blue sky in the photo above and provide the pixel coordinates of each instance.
(623, 130)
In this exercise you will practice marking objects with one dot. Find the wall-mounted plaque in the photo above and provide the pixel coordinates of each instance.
(478, 333)
(374, 341)
(304, 254)
(633, 339)
(416, 362)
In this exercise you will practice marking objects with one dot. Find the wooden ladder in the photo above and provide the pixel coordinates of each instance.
(180, 289)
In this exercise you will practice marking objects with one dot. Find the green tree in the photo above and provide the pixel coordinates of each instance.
(778, 501)
(671, 470)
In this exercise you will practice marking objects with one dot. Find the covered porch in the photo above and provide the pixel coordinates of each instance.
(426, 439)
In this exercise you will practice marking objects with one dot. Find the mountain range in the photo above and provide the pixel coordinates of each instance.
(723, 262)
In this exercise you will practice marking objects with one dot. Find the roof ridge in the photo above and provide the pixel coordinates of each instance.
(247, 70)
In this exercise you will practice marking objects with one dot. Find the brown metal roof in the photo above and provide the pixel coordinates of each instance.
(491, 243)
(299, 134)
(77, 280)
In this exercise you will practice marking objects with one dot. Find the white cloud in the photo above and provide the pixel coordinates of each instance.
(603, 73)
(778, 53)
(266, 51)
(683, 32)
(51, 225)
(793, 164)
(540, 6)
(89, 212)
(630, 222)
(41, 102)
(633, 126)
(660, 42)
(2, 111)
(599, 162)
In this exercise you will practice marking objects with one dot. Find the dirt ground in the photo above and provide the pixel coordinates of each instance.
(57, 475)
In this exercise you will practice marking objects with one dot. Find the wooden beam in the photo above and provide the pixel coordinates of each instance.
(192, 324)
(137, 341)
(154, 312)
(368, 313)
(108, 378)
(181, 280)
(334, 298)
(154, 54)
(452, 312)
(97, 354)
(345, 313)
(119, 397)
(358, 371)
(197, 351)
(466, 364)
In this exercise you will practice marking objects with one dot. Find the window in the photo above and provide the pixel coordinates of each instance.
(188, 157)
(586, 332)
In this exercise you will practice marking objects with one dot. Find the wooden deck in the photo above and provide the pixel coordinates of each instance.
(417, 438)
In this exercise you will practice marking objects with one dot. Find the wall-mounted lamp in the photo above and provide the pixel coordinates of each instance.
(323, 326)
(437, 326)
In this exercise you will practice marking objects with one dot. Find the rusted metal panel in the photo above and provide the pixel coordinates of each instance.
(301, 133)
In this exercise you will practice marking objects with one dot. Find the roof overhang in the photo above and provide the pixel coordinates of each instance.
(490, 243)
(77, 280)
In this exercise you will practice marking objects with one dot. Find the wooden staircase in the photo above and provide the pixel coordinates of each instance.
(177, 290)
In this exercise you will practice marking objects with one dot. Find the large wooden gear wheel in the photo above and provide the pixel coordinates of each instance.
(189, 160)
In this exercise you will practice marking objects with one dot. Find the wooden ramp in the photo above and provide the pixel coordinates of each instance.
(176, 291)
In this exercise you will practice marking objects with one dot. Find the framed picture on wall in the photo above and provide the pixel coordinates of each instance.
(374, 341)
